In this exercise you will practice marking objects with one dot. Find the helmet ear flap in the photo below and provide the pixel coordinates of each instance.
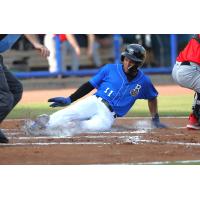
(122, 57)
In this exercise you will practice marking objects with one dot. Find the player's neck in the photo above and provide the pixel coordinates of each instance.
(131, 75)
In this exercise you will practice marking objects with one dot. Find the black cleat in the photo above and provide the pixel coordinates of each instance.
(3, 138)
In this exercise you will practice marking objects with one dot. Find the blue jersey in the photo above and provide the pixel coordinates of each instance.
(113, 86)
(8, 41)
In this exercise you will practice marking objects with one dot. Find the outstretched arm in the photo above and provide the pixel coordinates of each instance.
(37, 45)
(80, 92)
(153, 109)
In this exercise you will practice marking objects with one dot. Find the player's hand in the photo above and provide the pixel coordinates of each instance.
(59, 101)
(43, 50)
(156, 122)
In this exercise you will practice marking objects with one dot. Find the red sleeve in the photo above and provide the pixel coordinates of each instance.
(62, 37)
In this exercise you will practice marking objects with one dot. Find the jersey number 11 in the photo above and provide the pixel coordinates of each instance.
(108, 91)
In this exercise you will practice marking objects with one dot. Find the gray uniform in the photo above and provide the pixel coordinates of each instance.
(187, 75)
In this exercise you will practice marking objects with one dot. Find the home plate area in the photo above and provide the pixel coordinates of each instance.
(131, 141)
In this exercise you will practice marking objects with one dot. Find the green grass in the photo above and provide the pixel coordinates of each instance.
(168, 106)
(30, 111)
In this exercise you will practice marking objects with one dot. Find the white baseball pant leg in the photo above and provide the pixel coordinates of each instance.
(49, 42)
(91, 113)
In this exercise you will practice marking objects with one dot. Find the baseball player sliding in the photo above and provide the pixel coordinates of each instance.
(186, 73)
(118, 87)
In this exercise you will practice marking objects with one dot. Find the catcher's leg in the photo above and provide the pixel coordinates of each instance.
(196, 106)
(194, 118)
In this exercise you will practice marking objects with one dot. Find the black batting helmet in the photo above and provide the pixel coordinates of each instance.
(136, 53)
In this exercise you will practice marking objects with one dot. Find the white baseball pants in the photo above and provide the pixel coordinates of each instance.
(91, 114)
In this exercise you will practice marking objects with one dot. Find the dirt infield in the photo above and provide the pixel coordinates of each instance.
(123, 145)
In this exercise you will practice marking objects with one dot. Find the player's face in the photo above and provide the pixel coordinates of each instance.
(128, 64)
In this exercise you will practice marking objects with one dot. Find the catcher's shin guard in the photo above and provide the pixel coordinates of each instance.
(196, 106)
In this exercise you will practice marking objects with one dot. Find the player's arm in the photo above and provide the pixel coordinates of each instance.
(80, 92)
(91, 39)
(74, 43)
(153, 109)
(37, 45)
